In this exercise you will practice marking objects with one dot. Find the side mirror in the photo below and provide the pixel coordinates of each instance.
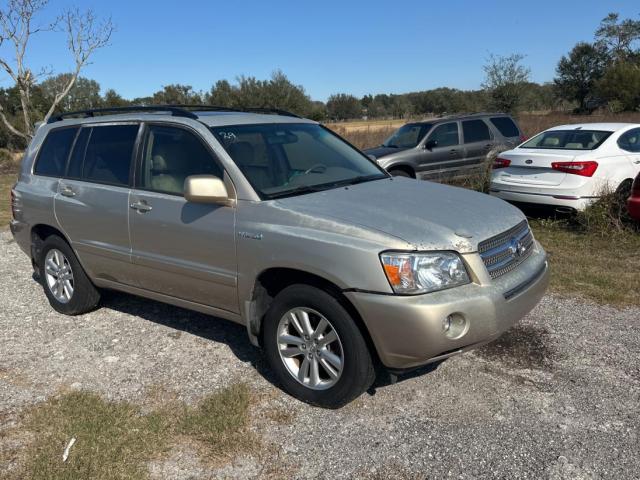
(205, 189)
(431, 144)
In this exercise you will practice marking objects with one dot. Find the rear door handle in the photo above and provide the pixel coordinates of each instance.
(67, 191)
(141, 207)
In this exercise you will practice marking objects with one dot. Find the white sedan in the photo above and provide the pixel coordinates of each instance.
(569, 166)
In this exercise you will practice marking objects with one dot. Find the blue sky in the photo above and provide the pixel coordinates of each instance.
(327, 46)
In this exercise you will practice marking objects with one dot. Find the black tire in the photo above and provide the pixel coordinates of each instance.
(85, 296)
(624, 190)
(358, 371)
(397, 172)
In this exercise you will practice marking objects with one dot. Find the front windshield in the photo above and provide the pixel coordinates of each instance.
(294, 158)
(407, 136)
(568, 140)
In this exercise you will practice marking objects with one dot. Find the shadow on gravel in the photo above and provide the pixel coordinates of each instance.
(182, 320)
(523, 346)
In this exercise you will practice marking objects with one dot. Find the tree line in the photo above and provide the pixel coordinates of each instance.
(602, 74)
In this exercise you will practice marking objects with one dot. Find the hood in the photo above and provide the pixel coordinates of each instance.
(382, 151)
(427, 215)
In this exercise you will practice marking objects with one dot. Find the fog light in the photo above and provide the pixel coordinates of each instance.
(455, 326)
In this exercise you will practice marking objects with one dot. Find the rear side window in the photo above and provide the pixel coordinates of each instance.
(475, 131)
(54, 152)
(505, 126)
(630, 141)
(109, 153)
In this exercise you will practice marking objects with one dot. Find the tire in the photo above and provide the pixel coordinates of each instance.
(624, 190)
(357, 371)
(396, 172)
(83, 296)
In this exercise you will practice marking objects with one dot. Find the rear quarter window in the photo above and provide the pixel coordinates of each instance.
(52, 158)
(475, 131)
(505, 126)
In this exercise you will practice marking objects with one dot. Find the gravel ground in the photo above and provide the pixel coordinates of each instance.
(556, 397)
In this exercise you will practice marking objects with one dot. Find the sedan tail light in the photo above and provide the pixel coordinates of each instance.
(12, 202)
(523, 138)
(501, 163)
(584, 169)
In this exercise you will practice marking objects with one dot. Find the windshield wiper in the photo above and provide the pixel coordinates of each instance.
(361, 179)
(298, 190)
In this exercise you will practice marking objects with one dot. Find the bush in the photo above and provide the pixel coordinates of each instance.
(606, 216)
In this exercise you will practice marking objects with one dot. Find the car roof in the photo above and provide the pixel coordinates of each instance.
(209, 118)
(459, 116)
(604, 126)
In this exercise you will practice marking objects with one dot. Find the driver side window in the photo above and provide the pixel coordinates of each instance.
(169, 156)
(446, 135)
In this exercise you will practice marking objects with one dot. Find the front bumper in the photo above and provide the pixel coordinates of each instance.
(407, 330)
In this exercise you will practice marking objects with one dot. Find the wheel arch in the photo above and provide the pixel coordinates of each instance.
(39, 233)
(272, 281)
(404, 167)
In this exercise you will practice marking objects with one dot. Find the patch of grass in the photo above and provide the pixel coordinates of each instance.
(115, 440)
(601, 268)
(6, 182)
(219, 422)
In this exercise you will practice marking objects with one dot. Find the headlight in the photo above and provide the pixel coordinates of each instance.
(414, 273)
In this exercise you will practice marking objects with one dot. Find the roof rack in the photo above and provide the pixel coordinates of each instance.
(214, 108)
(175, 110)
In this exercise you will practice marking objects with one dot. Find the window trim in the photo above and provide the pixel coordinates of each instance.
(140, 151)
(39, 153)
(105, 124)
(625, 133)
(464, 139)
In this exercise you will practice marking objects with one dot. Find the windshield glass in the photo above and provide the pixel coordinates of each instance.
(407, 136)
(568, 140)
(295, 158)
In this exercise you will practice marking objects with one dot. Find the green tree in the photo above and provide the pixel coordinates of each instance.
(505, 81)
(176, 94)
(84, 94)
(618, 37)
(621, 85)
(342, 106)
(578, 73)
(113, 99)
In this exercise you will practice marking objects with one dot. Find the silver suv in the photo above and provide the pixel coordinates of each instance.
(274, 222)
(447, 146)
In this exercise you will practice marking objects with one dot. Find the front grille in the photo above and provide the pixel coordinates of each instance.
(506, 251)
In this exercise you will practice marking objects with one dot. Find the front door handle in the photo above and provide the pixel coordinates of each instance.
(141, 207)
(67, 191)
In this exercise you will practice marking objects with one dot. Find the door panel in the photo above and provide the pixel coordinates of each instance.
(445, 157)
(185, 250)
(94, 218)
(182, 249)
(94, 214)
(477, 142)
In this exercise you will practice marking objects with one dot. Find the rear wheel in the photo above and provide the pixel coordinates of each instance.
(65, 283)
(624, 190)
(315, 347)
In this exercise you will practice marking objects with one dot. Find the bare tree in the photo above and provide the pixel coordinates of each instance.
(85, 34)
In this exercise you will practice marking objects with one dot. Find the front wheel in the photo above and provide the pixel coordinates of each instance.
(315, 348)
